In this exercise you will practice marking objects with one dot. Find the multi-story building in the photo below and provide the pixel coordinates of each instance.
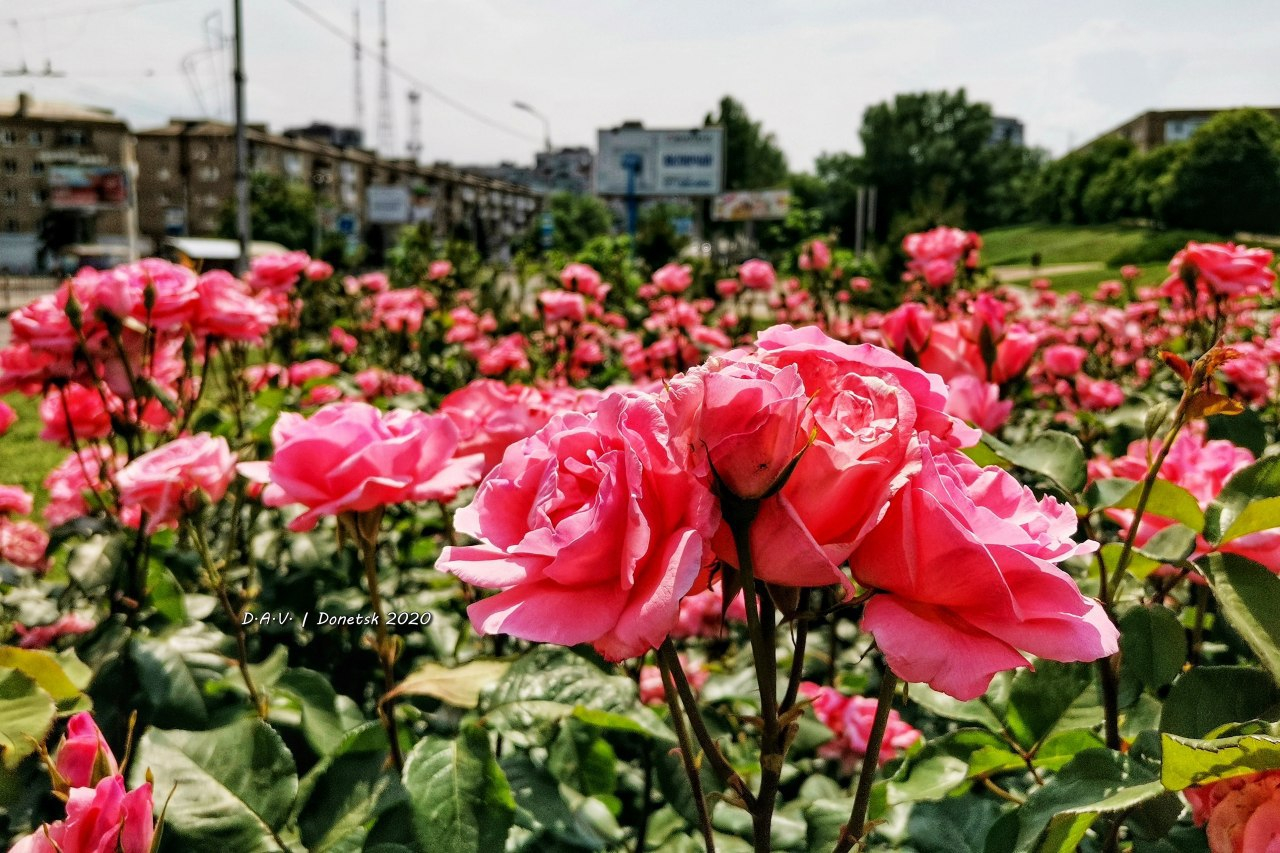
(188, 169)
(1005, 129)
(566, 170)
(63, 181)
(1155, 128)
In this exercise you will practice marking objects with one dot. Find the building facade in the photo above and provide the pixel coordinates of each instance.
(1006, 130)
(63, 181)
(1156, 128)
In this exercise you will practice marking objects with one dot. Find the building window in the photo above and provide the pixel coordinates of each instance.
(10, 196)
(73, 137)
(163, 173)
(163, 147)
(10, 167)
(208, 174)
(37, 168)
(35, 138)
(293, 165)
(8, 137)
(13, 226)
(212, 200)
(39, 195)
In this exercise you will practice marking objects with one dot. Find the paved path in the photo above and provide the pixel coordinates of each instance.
(1011, 274)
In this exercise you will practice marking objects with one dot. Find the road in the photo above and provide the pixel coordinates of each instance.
(1012, 274)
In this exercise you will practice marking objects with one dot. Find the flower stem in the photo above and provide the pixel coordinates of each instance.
(853, 830)
(366, 533)
(233, 616)
(686, 751)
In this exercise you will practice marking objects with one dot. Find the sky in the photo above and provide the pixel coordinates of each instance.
(805, 68)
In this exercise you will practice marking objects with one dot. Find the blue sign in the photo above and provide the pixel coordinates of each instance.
(347, 224)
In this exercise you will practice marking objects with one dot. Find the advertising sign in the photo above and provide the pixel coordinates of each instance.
(87, 188)
(750, 205)
(665, 162)
(388, 205)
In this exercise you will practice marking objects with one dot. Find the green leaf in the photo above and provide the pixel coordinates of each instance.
(233, 787)
(957, 825)
(1206, 697)
(45, 669)
(1249, 597)
(1153, 645)
(460, 686)
(1098, 781)
(1172, 545)
(1188, 761)
(941, 766)
(825, 818)
(1056, 456)
(638, 724)
(1260, 515)
(582, 759)
(165, 594)
(1059, 749)
(973, 711)
(346, 793)
(1248, 485)
(1167, 501)
(1139, 566)
(323, 721)
(169, 682)
(1038, 699)
(26, 716)
(459, 796)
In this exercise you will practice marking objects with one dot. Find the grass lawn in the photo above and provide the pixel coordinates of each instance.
(1057, 244)
(1087, 281)
(24, 458)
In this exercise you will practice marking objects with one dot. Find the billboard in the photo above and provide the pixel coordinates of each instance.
(388, 205)
(671, 162)
(749, 205)
(87, 188)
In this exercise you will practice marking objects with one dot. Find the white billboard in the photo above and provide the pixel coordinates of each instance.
(388, 205)
(671, 162)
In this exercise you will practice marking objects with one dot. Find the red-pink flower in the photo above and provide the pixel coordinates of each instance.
(977, 402)
(907, 328)
(83, 757)
(1098, 395)
(310, 370)
(227, 310)
(850, 719)
(563, 305)
(318, 270)
(866, 408)
(756, 274)
(1223, 269)
(170, 482)
(350, 457)
(43, 636)
(583, 279)
(934, 254)
(491, 416)
(24, 544)
(14, 500)
(594, 516)
(277, 273)
(437, 270)
(82, 473)
(104, 819)
(376, 382)
(7, 417)
(964, 565)
(652, 689)
(1240, 814)
(342, 340)
(399, 310)
(1064, 359)
(673, 278)
(815, 256)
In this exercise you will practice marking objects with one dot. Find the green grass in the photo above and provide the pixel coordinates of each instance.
(24, 458)
(1057, 244)
(1087, 281)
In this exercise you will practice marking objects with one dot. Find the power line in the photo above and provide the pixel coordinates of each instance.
(411, 78)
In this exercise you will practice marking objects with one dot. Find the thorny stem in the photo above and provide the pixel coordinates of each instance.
(364, 527)
(686, 752)
(852, 832)
(233, 615)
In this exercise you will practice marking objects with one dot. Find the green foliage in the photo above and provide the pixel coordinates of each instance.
(460, 799)
(576, 221)
(1064, 184)
(1157, 247)
(280, 210)
(657, 240)
(753, 159)
(1227, 176)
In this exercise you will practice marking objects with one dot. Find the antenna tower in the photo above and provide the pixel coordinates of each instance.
(386, 132)
(358, 119)
(415, 124)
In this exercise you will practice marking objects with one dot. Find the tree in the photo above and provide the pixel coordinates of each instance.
(752, 157)
(1063, 184)
(1227, 177)
(280, 210)
(657, 239)
(928, 153)
(575, 219)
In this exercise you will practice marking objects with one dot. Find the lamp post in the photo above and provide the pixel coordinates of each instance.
(546, 125)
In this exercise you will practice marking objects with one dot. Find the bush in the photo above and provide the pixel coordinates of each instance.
(1157, 247)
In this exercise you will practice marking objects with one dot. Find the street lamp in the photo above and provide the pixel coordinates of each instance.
(546, 125)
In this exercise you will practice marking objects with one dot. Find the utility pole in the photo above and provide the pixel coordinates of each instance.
(242, 147)
(359, 78)
(386, 131)
(415, 125)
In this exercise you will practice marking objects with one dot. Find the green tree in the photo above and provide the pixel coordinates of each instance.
(657, 240)
(928, 154)
(1227, 177)
(753, 159)
(575, 219)
(280, 210)
(1061, 190)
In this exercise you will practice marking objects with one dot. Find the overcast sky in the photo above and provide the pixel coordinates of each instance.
(806, 68)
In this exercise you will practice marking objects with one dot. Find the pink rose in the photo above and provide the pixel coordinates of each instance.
(399, 310)
(1064, 360)
(311, 370)
(318, 270)
(964, 563)
(1223, 269)
(507, 354)
(756, 274)
(1097, 395)
(350, 457)
(907, 328)
(437, 270)
(7, 417)
(563, 305)
(227, 309)
(866, 406)
(491, 416)
(850, 719)
(43, 636)
(79, 474)
(703, 614)
(934, 254)
(654, 692)
(742, 417)
(673, 278)
(23, 544)
(342, 340)
(83, 757)
(583, 279)
(815, 256)
(727, 287)
(977, 402)
(277, 273)
(82, 407)
(593, 516)
(103, 819)
(170, 482)
(14, 500)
